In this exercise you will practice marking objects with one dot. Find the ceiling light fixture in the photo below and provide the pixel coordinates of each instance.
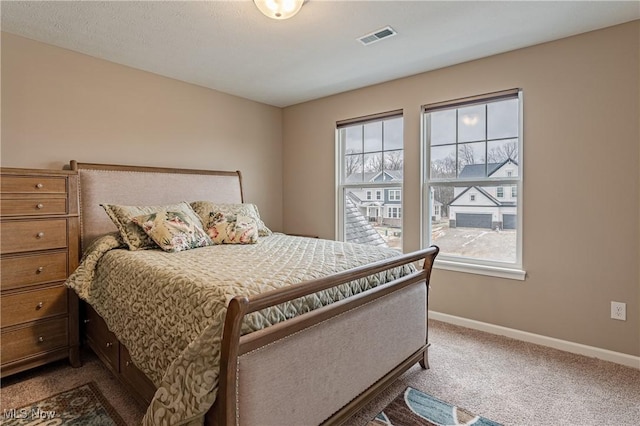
(279, 9)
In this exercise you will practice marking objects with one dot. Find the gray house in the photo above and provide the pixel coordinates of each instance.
(382, 206)
(491, 207)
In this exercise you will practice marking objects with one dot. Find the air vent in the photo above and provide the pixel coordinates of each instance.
(377, 35)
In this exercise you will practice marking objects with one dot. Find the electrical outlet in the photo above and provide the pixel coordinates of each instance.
(619, 311)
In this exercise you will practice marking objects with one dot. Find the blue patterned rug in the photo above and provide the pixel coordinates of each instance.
(413, 408)
(84, 405)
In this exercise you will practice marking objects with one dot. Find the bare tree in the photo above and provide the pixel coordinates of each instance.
(393, 160)
(374, 164)
(503, 152)
(466, 155)
(352, 164)
(444, 168)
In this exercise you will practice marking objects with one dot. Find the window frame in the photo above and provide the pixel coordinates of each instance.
(397, 195)
(451, 262)
(342, 187)
(397, 212)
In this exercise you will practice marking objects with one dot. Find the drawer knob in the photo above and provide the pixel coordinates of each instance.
(40, 235)
(109, 344)
(128, 363)
(40, 339)
(39, 186)
(39, 206)
(40, 269)
(87, 321)
(39, 305)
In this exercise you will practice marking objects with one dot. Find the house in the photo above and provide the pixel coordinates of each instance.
(382, 206)
(492, 207)
(581, 135)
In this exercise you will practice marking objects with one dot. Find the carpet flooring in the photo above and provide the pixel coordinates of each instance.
(508, 381)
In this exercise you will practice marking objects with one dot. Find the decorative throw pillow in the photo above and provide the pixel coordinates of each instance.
(233, 229)
(173, 231)
(208, 210)
(130, 232)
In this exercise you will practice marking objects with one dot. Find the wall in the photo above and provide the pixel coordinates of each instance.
(581, 182)
(58, 105)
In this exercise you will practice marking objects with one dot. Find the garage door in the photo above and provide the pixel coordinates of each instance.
(473, 220)
(509, 221)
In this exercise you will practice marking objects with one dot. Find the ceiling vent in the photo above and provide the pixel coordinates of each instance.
(377, 35)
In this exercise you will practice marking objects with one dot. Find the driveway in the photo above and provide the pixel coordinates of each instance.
(475, 242)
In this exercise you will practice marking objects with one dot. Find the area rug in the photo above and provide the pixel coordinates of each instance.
(413, 408)
(84, 405)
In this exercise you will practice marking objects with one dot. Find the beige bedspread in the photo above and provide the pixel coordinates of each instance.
(169, 308)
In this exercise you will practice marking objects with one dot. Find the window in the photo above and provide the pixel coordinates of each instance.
(370, 158)
(394, 212)
(473, 150)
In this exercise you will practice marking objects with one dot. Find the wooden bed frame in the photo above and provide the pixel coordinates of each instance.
(383, 330)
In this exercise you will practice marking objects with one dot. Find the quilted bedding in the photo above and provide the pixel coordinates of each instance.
(168, 309)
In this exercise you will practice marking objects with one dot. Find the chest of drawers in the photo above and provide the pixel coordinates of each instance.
(38, 250)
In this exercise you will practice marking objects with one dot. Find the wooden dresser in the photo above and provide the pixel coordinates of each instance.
(38, 250)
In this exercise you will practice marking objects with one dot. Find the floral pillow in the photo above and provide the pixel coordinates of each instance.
(131, 233)
(233, 229)
(208, 211)
(173, 231)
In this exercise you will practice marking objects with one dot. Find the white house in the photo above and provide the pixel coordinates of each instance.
(492, 207)
(381, 205)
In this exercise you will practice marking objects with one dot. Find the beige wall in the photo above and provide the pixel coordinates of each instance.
(58, 105)
(581, 182)
(581, 161)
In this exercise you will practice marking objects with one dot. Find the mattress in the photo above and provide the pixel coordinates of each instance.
(168, 309)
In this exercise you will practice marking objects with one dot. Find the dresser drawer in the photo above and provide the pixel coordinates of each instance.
(102, 341)
(34, 184)
(33, 206)
(41, 337)
(24, 270)
(33, 305)
(21, 236)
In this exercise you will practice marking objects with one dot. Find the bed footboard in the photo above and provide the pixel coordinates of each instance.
(326, 364)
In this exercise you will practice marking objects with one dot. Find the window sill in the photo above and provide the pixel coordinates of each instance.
(470, 268)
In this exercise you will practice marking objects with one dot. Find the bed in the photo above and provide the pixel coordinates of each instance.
(296, 330)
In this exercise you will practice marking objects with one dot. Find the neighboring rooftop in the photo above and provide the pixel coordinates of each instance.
(478, 170)
(358, 229)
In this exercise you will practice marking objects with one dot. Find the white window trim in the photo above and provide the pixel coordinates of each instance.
(341, 188)
(397, 195)
(396, 209)
(511, 271)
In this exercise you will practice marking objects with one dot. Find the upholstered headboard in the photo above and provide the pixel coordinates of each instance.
(145, 186)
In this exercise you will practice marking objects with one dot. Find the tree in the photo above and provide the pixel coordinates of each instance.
(503, 152)
(443, 168)
(393, 160)
(352, 164)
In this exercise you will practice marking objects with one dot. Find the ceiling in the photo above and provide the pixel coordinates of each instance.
(230, 46)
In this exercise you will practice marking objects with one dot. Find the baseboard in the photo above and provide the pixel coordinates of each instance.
(576, 348)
